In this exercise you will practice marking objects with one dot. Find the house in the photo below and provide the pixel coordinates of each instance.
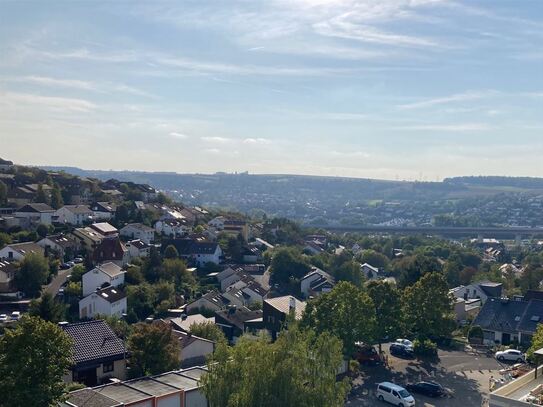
(18, 251)
(63, 246)
(217, 222)
(262, 244)
(193, 350)
(74, 214)
(87, 237)
(466, 310)
(173, 227)
(139, 231)
(313, 247)
(105, 229)
(110, 250)
(7, 276)
(98, 354)
(104, 274)
(370, 272)
(505, 321)
(482, 290)
(316, 282)
(179, 388)
(212, 301)
(235, 321)
(184, 323)
(198, 252)
(147, 192)
(276, 310)
(103, 210)
(235, 227)
(36, 213)
(238, 274)
(251, 254)
(109, 301)
(5, 165)
(137, 248)
(20, 196)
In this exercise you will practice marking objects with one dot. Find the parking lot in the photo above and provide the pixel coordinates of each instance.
(465, 375)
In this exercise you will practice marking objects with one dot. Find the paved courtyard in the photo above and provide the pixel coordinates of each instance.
(465, 375)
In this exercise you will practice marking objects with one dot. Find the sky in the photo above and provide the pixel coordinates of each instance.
(393, 89)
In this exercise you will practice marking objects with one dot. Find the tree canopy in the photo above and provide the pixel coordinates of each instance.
(32, 274)
(47, 308)
(33, 359)
(388, 310)
(299, 369)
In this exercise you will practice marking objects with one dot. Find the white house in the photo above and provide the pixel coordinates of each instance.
(173, 227)
(139, 231)
(60, 244)
(137, 248)
(482, 291)
(109, 301)
(217, 222)
(184, 324)
(36, 213)
(7, 276)
(103, 210)
(316, 282)
(370, 272)
(212, 301)
(18, 251)
(193, 350)
(107, 273)
(74, 214)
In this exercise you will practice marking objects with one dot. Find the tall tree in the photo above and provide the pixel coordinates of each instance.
(33, 359)
(299, 369)
(3, 193)
(288, 263)
(56, 197)
(208, 330)
(428, 306)
(346, 312)
(47, 308)
(171, 252)
(32, 274)
(41, 197)
(388, 310)
(154, 349)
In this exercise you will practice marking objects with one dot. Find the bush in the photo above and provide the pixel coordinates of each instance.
(475, 334)
(424, 348)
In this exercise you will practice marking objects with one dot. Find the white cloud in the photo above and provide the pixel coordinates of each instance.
(256, 141)
(53, 102)
(212, 151)
(215, 139)
(456, 127)
(65, 83)
(459, 97)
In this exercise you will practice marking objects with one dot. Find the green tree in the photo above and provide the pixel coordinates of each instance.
(350, 271)
(428, 306)
(77, 273)
(175, 271)
(388, 310)
(33, 359)
(299, 369)
(42, 230)
(410, 269)
(32, 274)
(537, 343)
(5, 239)
(41, 197)
(140, 300)
(47, 308)
(288, 263)
(171, 252)
(154, 349)
(208, 330)
(374, 258)
(346, 312)
(3, 193)
(56, 197)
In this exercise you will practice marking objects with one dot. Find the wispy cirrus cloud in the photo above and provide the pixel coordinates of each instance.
(48, 102)
(215, 139)
(178, 135)
(458, 97)
(258, 140)
(449, 127)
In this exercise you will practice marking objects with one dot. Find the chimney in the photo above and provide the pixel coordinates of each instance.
(292, 304)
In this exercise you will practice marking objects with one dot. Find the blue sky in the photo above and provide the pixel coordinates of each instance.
(398, 89)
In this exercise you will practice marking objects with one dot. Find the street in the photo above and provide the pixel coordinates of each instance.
(53, 287)
(465, 375)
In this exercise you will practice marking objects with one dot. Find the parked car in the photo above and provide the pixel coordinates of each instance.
(366, 354)
(398, 349)
(78, 260)
(431, 389)
(3, 318)
(394, 394)
(15, 315)
(510, 355)
(71, 263)
(64, 266)
(405, 342)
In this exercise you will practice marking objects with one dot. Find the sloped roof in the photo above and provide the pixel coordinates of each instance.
(282, 304)
(111, 269)
(35, 208)
(237, 316)
(501, 315)
(108, 250)
(185, 324)
(78, 209)
(90, 398)
(94, 340)
(26, 248)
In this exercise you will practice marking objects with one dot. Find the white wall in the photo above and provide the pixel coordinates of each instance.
(195, 398)
(95, 278)
(15, 255)
(95, 304)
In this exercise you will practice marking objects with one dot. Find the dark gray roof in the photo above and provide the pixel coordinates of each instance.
(111, 294)
(510, 316)
(491, 289)
(36, 208)
(90, 398)
(94, 340)
(238, 315)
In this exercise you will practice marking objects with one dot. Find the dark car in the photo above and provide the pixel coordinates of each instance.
(397, 349)
(65, 266)
(431, 389)
(366, 354)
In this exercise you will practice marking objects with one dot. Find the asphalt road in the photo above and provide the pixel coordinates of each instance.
(465, 375)
(53, 287)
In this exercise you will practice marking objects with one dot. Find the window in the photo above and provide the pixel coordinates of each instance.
(107, 367)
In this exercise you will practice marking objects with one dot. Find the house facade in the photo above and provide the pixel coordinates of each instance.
(75, 215)
(109, 301)
(316, 282)
(107, 273)
(63, 246)
(36, 213)
(18, 251)
(481, 291)
(7, 276)
(139, 231)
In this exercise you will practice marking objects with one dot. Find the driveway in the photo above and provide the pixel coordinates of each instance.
(55, 284)
(465, 375)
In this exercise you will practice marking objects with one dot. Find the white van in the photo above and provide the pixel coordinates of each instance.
(394, 394)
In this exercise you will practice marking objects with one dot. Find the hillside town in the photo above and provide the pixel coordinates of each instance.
(147, 296)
